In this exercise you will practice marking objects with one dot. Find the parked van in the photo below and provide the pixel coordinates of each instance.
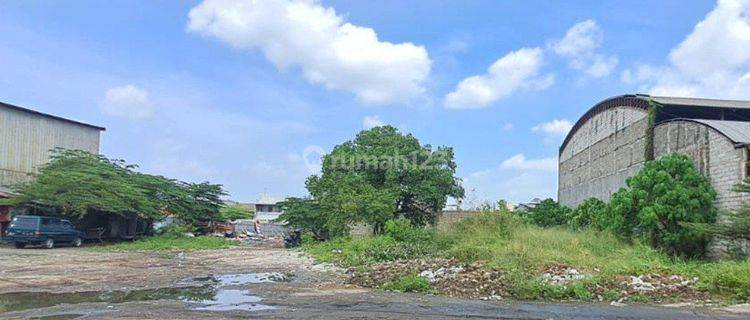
(46, 231)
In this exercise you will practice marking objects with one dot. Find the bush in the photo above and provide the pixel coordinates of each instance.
(548, 213)
(661, 199)
(409, 283)
(590, 213)
(402, 230)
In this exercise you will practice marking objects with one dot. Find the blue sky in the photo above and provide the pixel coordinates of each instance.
(247, 94)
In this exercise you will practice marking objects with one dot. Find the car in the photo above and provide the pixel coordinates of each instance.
(46, 231)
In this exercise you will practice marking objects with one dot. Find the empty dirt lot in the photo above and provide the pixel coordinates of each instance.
(241, 283)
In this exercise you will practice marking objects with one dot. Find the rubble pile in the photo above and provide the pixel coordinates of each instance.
(560, 274)
(449, 276)
(658, 285)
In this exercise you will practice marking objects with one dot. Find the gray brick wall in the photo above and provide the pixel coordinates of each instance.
(713, 154)
(605, 151)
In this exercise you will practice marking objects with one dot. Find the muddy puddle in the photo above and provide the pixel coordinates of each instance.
(215, 293)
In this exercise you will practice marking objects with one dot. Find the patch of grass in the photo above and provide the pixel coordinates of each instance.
(170, 243)
(409, 283)
(359, 251)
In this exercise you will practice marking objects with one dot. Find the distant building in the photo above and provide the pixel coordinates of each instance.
(526, 206)
(27, 136)
(266, 208)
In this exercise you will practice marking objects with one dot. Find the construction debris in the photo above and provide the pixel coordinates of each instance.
(449, 276)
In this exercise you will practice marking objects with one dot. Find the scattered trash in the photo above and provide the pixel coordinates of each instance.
(562, 274)
(449, 276)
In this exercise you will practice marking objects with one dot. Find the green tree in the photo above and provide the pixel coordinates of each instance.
(235, 212)
(661, 199)
(548, 213)
(75, 183)
(381, 175)
(306, 214)
(590, 213)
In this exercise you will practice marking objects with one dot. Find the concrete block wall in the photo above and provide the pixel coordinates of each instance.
(713, 154)
(717, 158)
(605, 151)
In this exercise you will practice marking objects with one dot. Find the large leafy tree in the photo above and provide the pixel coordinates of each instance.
(75, 183)
(659, 203)
(383, 174)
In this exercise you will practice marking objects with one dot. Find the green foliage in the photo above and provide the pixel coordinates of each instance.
(75, 183)
(402, 230)
(306, 214)
(409, 283)
(170, 242)
(235, 212)
(648, 150)
(591, 212)
(548, 213)
(661, 199)
(380, 175)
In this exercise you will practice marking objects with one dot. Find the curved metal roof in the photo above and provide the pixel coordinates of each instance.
(627, 100)
(736, 131)
(641, 101)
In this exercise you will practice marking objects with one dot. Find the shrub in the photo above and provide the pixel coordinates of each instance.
(548, 213)
(661, 199)
(402, 230)
(590, 213)
(409, 283)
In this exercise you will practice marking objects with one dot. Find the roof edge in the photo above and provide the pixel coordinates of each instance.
(698, 121)
(8, 105)
(640, 101)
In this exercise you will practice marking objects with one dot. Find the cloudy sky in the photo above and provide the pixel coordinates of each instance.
(249, 93)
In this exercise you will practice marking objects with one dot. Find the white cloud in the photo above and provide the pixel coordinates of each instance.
(328, 50)
(517, 70)
(370, 122)
(519, 162)
(127, 101)
(554, 128)
(712, 61)
(580, 46)
(507, 126)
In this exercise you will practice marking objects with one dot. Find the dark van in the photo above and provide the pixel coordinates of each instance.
(47, 231)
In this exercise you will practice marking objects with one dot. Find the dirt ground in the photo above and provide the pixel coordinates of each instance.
(38, 277)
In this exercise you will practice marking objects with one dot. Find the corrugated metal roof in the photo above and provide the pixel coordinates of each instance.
(737, 131)
(737, 104)
(10, 106)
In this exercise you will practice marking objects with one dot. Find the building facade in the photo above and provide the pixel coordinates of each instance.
(27, 136)
(608, 144)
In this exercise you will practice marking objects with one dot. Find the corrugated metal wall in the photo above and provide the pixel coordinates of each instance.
(27, 138)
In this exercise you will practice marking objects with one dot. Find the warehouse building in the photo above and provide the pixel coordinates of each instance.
(27, 136)
(607, 144)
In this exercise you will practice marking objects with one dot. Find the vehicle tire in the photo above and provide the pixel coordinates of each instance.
(49, 243)
(77, 242)
(19, 245)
